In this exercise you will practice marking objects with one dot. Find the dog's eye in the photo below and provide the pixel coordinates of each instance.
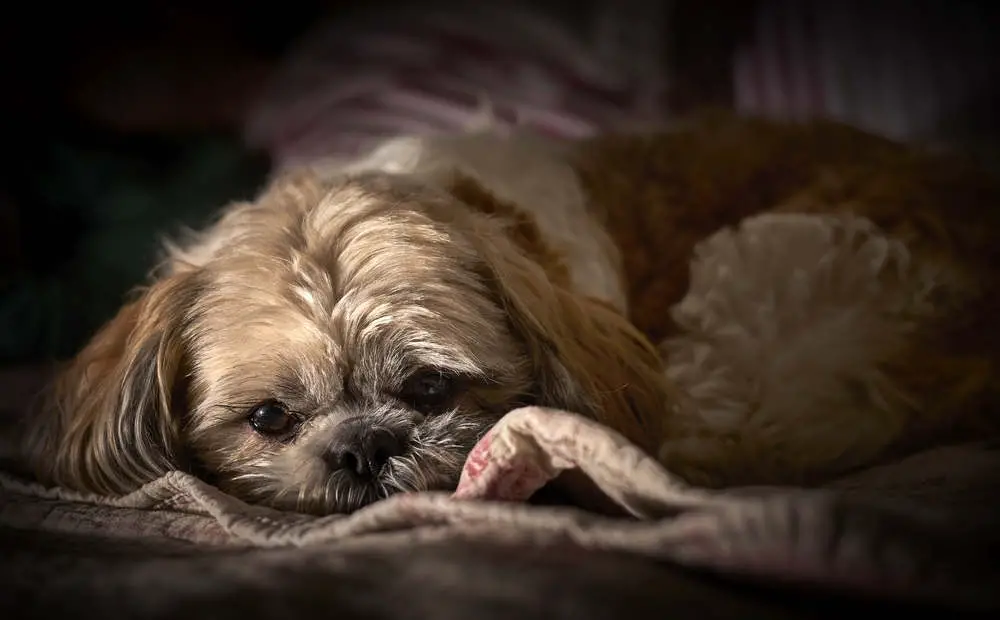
(428, 391)
(271, 418)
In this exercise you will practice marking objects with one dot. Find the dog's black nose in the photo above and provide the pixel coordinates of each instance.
(363, 449)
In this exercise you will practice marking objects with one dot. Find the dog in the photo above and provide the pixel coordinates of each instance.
(749, 301)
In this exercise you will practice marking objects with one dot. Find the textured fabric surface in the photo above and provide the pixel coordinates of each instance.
(445, 66)
(920, 530)
(50, 575)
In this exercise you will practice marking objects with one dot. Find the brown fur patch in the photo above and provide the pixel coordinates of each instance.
(614, 373)
(521, 226)
(659, 195)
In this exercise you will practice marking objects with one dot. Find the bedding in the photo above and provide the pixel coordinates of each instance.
(917, 531)
(562, 69)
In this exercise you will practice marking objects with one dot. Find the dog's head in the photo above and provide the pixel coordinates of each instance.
(334, 343)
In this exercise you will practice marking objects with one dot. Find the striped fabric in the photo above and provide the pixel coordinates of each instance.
(897, 67)
(443, 68)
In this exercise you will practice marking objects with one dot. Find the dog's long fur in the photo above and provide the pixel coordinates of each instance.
(752, 302)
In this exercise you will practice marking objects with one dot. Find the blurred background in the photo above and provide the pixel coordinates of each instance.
(126, 122)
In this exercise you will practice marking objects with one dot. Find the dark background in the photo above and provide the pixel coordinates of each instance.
(121, 123)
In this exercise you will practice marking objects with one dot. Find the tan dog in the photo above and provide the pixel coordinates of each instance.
(817, 297)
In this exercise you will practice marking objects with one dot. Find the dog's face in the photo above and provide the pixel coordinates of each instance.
(351, 350)
(331, 344)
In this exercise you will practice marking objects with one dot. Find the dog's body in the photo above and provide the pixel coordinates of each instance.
(753, 303)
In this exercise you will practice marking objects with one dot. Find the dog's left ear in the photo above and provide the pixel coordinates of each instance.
(109, 423)
(588, 358)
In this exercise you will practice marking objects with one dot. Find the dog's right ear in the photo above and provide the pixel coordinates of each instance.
(110, 421)
(587, 356)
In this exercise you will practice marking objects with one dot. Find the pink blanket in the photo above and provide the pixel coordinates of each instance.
(880, 532)
(921, 529)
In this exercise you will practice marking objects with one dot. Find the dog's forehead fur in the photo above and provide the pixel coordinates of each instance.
(348, 286)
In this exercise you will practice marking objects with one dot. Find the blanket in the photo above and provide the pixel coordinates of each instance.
(561, 69)
(919, 530)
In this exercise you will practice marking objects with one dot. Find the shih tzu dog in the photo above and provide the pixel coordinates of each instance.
(753, 303)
